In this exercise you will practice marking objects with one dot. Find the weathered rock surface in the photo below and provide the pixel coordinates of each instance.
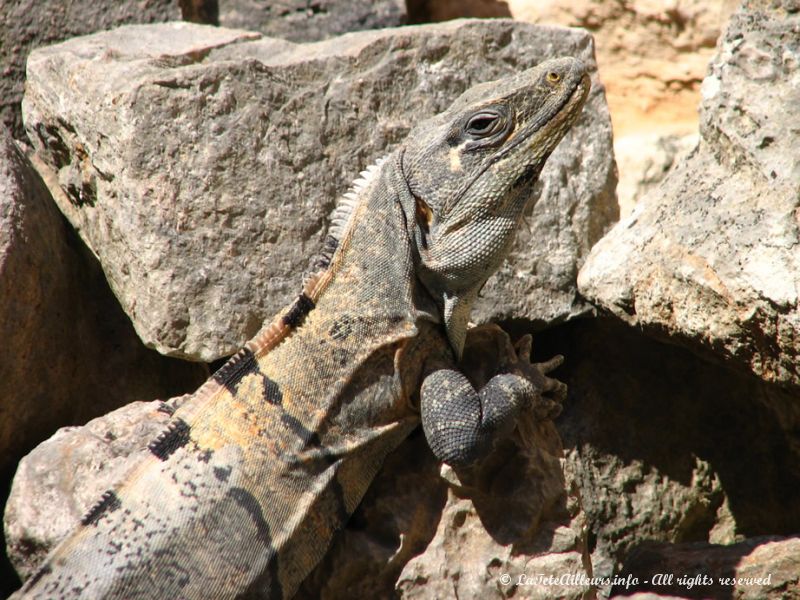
(755, 569)
(710, 258)
(506, 529)
(63, 478)
(665, 446)
(303, 21)
(68, 352)
(26, 24)
(643, 161)
(201, 164)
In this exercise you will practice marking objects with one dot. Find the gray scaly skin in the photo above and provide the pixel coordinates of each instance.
(241, 496)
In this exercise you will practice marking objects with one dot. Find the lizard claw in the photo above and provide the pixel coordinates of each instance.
(557, 389)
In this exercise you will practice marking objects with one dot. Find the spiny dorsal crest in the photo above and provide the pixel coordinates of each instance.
(345, 207)
(320, 273)
(342, 216)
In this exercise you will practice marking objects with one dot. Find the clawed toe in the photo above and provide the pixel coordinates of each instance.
(552, 364)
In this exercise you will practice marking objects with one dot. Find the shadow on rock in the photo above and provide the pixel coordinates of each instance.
(755, 568)
(666, 446)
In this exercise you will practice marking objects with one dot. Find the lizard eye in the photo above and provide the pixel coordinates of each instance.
(553, 77)
(484, 123)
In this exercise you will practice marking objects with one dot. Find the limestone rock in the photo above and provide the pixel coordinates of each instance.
(506, 529)
(652, 55)
(710, 257)
(665, 446)
(303, 21)
(68, 351)
(201, 164)
(57, 483)
(27, 24)
(643, 161)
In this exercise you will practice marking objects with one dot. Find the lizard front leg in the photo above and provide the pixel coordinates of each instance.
(461, 423)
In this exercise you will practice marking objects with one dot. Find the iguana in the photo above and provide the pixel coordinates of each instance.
(241, 495)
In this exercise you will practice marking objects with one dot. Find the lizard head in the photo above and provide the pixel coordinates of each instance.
(470, 171)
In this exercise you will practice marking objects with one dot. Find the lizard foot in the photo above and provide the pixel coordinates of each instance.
(552, 392)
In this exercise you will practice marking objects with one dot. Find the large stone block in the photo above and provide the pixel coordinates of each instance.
(68, 352)
(710, 258)
(665, 446)
(765, 568)
(63, 477)
(201, 164)
(26, 24)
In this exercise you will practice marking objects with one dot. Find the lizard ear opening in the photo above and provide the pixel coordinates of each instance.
(424, 216)
(424, 213)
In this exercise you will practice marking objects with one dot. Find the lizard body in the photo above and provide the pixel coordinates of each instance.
(241, 495)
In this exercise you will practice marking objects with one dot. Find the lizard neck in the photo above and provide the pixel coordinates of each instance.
(373, 270)
(367, 265)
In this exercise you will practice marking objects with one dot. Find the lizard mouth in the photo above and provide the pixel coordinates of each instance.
(558, 120)
(550, 128)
